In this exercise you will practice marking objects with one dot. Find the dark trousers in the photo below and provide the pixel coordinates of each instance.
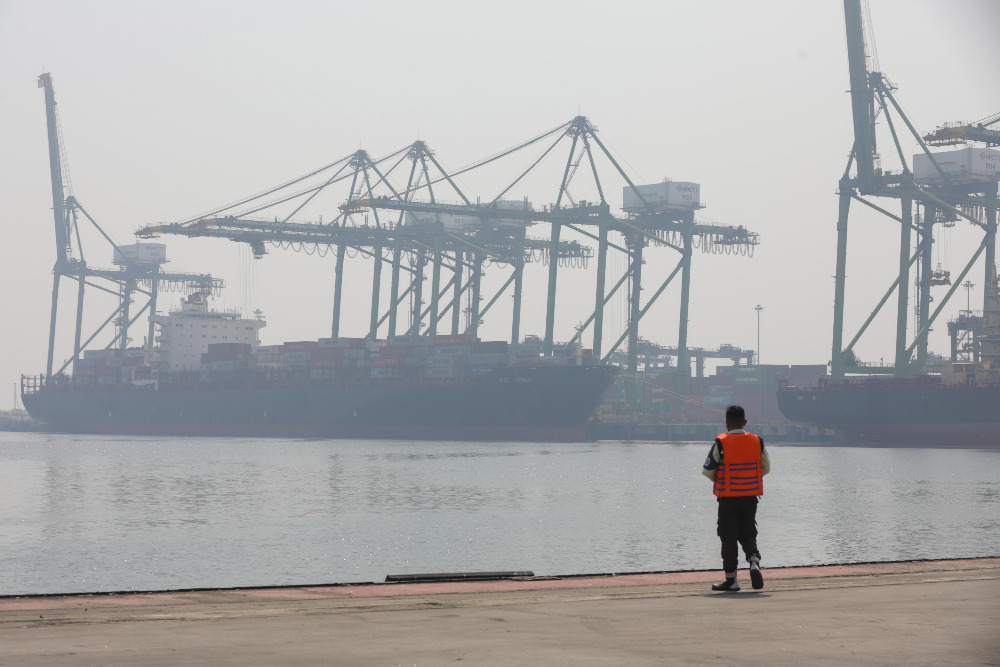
(737, 523)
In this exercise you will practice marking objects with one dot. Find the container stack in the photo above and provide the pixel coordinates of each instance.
(268, 358)
(225, 362)
(112, 368)
(331, 356)
(431, 359)
(487, 355)
(296, 357)
(526, 353)
(450, 359)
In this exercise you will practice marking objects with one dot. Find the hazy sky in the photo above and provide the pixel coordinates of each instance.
(171, 109)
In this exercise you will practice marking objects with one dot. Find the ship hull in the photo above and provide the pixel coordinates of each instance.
(906, 413)
(543, 403)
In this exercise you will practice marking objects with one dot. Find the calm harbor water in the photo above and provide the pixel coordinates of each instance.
(97, 513)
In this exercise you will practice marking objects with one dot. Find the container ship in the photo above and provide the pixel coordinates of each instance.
(415, 387)
(957, 407)
(951, 410)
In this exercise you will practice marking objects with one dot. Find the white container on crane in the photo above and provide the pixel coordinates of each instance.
(967, 165)
(665, 196)
(140, 253)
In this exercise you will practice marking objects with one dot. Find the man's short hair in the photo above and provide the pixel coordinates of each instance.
(735, 413)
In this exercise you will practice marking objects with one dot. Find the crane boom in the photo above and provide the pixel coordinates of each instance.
(861, 96)
(951, 134)
(55, 168)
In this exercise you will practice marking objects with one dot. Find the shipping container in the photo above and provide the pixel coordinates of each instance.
(410, 340)
(964, 165)
(392, 352)
(456, 339)
(663, 196)
(451, 350)
(142, 253)
(490, 347)
(299, 345)
(340, 342)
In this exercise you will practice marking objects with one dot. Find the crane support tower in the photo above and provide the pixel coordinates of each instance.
(940, 188)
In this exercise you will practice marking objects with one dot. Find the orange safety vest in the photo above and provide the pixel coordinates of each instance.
(740, 473)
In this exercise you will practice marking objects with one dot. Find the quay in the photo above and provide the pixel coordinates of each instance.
(902, 613)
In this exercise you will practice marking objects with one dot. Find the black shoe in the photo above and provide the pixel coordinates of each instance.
(729, 585)
(756, 578)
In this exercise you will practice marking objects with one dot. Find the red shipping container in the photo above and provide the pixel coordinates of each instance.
(459, 339)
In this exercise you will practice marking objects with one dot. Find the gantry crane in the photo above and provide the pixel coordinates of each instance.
(460, 250)
(672, 227)
(136, 273)
(462, 235)
(943, 194)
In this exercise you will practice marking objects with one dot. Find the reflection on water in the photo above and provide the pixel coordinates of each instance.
(84, 513)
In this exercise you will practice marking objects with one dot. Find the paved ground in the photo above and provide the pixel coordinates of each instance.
(918, 613)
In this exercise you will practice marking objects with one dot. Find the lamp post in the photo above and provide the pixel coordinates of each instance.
(968, 285)
(758, 308)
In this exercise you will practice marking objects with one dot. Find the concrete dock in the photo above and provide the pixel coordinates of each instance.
(910, 613)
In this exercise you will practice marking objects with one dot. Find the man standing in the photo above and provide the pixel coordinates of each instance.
(737, 464)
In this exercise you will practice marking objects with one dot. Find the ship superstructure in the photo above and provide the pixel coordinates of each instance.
(185, 334)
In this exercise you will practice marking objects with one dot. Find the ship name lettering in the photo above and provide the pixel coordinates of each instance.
(517, 379)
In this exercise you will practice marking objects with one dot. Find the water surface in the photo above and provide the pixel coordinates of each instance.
(97, 513)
